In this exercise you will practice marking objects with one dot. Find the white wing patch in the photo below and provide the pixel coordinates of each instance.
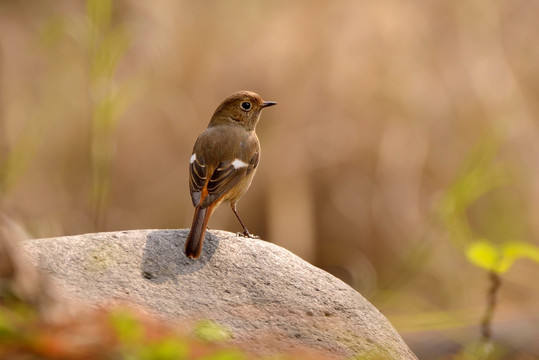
(237, 163)
(193, 158)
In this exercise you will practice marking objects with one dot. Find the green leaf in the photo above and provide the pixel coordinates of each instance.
(500, 258)
(127, 327)
(513, 250)
(165, 349)
(7, 330)
(483, 254)
(210, 331)
(226, 355)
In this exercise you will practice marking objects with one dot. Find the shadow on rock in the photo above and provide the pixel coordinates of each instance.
(163, 258)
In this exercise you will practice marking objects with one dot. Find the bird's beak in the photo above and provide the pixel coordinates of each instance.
(268, 103)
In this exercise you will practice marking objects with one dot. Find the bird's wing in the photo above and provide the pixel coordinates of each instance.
(197, 178)
(227, 175)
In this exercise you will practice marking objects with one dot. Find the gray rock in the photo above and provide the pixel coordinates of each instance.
(265, 295)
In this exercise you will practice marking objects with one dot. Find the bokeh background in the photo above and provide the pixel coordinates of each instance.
(404, 131)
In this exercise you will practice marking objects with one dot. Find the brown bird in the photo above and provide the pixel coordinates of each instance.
(224, 161)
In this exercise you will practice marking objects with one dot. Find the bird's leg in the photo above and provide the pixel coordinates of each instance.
(246, 232)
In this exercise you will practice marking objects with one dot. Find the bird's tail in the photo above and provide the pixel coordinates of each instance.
(193, 244)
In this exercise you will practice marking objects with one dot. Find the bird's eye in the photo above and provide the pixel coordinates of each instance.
(246, 105)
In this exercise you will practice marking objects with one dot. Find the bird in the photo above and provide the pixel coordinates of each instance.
(223, 162)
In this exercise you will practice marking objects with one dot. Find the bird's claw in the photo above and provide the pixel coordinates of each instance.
(248, 235)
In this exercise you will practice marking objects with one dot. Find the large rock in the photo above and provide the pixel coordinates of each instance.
(268, 297)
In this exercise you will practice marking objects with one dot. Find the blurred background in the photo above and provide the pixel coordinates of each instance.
(405, 131)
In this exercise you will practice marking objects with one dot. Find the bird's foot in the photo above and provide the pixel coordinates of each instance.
(248, 235)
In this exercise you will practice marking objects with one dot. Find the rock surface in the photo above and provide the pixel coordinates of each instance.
(265, 295)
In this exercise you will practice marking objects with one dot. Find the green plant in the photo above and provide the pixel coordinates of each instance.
(103, 43)
(105, 47)
(481, 174)
(15, 157)
(208, 330)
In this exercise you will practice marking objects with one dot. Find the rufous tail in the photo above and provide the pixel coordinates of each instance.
(193, 244)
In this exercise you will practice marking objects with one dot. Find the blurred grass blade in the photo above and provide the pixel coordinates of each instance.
(99, 12)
